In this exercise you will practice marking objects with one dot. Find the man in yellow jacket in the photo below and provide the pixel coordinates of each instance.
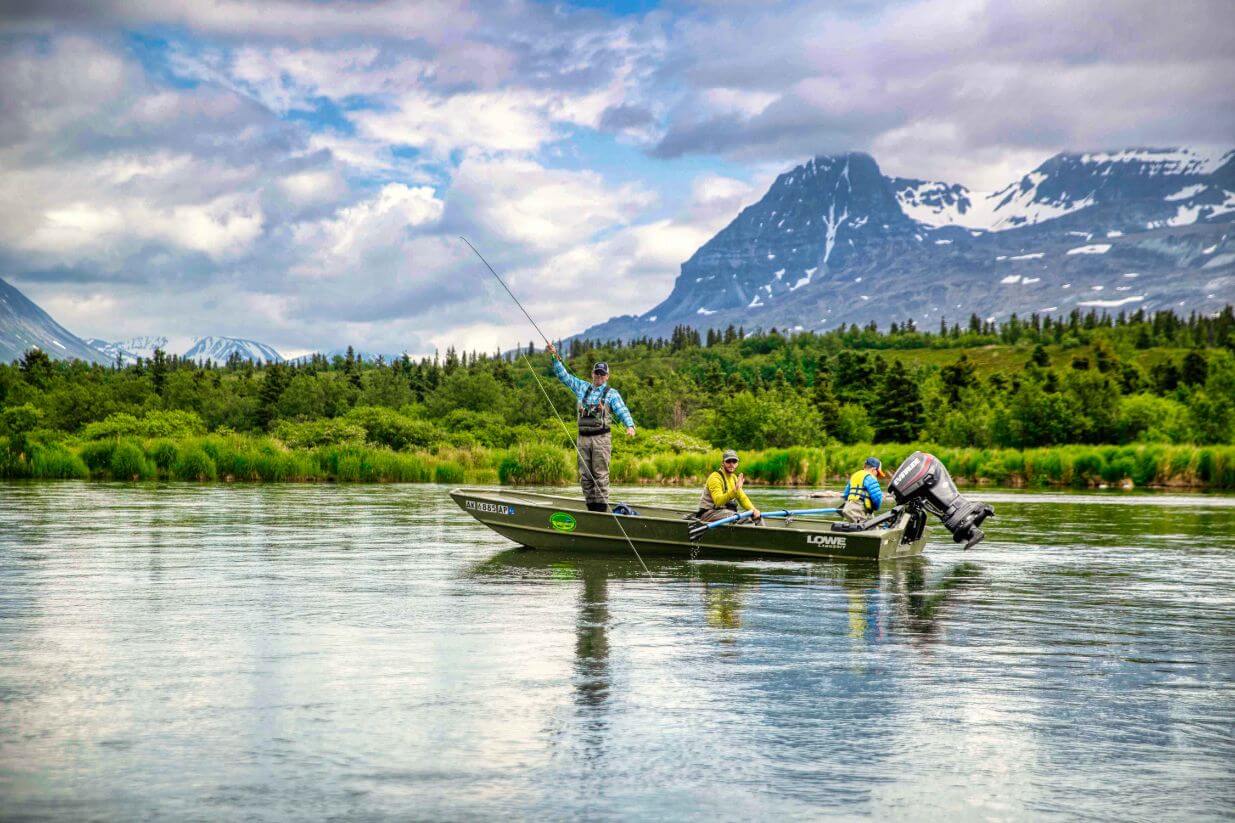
(723, 494)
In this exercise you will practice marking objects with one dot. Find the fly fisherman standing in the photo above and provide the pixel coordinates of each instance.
(595, 403)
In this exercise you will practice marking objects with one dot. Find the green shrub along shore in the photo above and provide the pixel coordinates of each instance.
(1081, 400)
(232, 457)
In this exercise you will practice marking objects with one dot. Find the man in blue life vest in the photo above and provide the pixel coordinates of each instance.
(862, 494)
(595, 403)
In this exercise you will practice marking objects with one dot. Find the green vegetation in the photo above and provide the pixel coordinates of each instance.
(1082, 400)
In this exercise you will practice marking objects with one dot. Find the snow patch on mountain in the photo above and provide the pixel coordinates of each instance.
(1112, 304)
(932, 202)
(832, 224)
(1162, 161)
(1096, 248)
(804, 280)
(1186, 192)
(1020, 204)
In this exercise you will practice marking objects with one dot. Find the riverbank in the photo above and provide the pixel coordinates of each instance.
(246, 458)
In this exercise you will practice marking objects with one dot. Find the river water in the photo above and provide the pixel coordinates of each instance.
(272, 652)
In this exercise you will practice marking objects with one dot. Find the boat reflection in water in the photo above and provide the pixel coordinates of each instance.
(883, 598)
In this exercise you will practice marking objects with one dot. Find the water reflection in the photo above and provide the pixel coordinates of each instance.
(882, 598)
(592, 676)
(373, 653)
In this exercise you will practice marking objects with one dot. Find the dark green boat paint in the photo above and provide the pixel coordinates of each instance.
(543, 521)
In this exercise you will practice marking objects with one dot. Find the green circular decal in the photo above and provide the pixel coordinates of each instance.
(562, 521)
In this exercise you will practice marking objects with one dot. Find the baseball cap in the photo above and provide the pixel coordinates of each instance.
(729, 454)
(873, 463)
(600, 368)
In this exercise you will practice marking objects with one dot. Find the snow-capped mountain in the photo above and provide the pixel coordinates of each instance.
(365, 356)
(23, 326)
(1068, 183)
(129, 350)
(219, 349)
(835, 241)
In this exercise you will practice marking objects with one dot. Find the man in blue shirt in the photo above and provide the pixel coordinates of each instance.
(595, 403)
(862, 493)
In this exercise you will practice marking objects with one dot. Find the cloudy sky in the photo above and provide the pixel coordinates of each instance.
(298, 172)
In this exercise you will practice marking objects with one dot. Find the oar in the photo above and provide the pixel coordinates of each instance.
(700, 529)
(796, 512)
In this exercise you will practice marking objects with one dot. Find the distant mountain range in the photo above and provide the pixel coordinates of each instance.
(219, 349)
(23, 326)
(835, 241)
(366, 356)
(129, 350)
(215, 349)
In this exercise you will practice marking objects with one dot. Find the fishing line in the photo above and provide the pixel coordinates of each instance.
(616, 517)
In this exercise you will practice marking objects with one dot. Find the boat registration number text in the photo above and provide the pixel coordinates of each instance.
(491, 508)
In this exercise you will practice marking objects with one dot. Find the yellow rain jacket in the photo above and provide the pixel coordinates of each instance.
(722, 492)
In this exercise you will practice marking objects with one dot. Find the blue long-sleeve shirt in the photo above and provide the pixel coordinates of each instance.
(872, 488)
(581, 388)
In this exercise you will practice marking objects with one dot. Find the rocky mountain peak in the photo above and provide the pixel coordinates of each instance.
(809, 222)
(834, 241)
(24, 326)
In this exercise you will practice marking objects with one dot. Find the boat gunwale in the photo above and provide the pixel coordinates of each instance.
(799, 524)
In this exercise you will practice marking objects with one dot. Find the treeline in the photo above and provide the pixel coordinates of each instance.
(1022, 384)
(148, 452)
(1143, 330)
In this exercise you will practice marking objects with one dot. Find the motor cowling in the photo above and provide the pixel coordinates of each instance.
(924, 480)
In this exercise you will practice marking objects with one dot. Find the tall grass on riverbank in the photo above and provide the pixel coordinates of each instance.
(246, 458)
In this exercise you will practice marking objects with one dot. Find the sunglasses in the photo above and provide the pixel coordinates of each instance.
(734, 462)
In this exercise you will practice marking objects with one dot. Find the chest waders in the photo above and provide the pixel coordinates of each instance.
(595, 449)
(707, 506)
(594, 417)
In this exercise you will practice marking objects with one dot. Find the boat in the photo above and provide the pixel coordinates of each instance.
(560, 523)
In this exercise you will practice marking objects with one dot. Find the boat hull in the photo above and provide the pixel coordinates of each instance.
(564, 524)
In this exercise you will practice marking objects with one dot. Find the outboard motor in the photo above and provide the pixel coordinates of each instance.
(923, 480)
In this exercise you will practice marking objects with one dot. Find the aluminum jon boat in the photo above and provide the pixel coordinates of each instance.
(553, 522)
